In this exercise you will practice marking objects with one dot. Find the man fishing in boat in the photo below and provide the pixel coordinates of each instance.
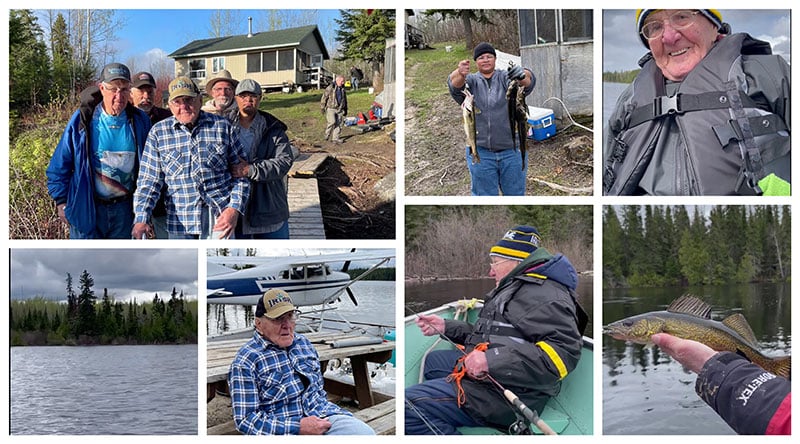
(526, 340)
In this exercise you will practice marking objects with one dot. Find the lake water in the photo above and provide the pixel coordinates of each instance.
(646, 392)
(104, 390)
(422, 296)
(611, 91)
(376, 305)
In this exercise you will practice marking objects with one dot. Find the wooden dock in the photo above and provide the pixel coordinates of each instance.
(376, 409)
(305, 212)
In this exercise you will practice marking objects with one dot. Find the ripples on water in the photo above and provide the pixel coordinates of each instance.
(104, 390)
(645, 391)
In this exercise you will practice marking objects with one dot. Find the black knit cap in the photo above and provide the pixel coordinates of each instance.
(483, 48)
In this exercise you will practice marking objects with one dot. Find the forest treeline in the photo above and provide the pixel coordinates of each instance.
(83, 320)
(620, 76)
(378, 274)
(449, 241)
(660, 246)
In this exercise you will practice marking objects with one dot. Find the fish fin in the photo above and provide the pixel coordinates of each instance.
(738, 323)
(782, 366)
(690, 305)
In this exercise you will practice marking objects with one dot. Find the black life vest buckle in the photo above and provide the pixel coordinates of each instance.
(663, 105)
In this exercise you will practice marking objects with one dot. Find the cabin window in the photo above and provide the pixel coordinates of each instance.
(269, 61)
(197, 69)
(286, 60)
(254, 62)
(218, 64)
(543, 26)
(578, 24)
(316, 60)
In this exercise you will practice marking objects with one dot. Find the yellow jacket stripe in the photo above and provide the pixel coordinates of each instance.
(562, 369)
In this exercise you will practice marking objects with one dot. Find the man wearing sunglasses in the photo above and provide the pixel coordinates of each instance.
(276, 381)
(709, 113)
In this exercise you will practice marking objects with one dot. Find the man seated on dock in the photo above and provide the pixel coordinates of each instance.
(276, 382)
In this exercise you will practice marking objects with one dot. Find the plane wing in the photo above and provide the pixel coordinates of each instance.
(364, 255)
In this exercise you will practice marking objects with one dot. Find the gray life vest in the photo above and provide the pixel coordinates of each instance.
(723, 138)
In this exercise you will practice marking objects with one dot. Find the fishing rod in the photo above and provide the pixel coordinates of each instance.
(510, 396)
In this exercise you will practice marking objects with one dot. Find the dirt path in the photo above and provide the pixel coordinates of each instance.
(357, 185)
(435, 162)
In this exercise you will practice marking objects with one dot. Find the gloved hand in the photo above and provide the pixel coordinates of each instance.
(516, 72)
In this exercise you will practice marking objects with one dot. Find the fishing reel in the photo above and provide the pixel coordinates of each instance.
(520, 427)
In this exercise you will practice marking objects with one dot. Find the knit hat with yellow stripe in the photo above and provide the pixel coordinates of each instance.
(517, 243)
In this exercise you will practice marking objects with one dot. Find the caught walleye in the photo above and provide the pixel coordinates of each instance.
(690, 318)
(517, 115)
(468, 111)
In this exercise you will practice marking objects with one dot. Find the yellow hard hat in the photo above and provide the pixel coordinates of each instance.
(713, 15)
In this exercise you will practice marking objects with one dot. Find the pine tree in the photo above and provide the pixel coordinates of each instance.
(86, 300)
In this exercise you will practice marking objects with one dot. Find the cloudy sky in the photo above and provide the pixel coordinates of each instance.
(622, 47)
(138, 273)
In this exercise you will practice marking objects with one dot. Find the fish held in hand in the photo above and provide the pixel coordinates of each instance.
(518, 116)
(468, 111)
(690, 318)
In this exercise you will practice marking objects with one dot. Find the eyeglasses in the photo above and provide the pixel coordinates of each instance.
(113, 90)
(178, 101)
(493, 264)
(290, 317)
(677, 20)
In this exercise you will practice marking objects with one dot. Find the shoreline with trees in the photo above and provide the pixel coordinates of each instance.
(81, 319)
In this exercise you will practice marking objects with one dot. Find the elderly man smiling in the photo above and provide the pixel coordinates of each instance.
(708, 114)
(276, 379)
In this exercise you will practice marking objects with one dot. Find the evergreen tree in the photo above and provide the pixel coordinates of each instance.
(362, 35)
(61, 50)
(28, 63)
(613, 252)
(86, 300)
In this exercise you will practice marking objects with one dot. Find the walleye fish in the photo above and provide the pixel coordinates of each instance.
(518, 116)
(468, 111)
(690, 318)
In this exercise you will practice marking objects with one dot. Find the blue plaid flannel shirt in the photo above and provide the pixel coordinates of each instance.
(194, 167)
(268, 396)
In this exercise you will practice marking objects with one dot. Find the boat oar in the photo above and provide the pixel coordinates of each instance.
(512, 398)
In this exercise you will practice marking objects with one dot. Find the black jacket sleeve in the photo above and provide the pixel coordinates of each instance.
(743, 394)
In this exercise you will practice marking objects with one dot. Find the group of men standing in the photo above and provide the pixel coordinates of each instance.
(125, 167)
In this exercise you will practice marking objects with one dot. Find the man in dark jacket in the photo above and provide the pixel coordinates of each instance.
(708, 114)
(533, 326)
(92, 173)
(334, 108)
(271, 157)
(751, 400)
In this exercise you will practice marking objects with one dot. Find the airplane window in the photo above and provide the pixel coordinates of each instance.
(297, 273)
(285, 274)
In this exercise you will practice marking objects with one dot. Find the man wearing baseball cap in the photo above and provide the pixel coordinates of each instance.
(500, 168)
(528, 337)
(204, 200)
(276, 381)
(92, 173)
(708, 114)
(271, 157)
(143, 96)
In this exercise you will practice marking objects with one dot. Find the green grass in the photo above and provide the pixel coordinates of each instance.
(430, 78)
(301, 111)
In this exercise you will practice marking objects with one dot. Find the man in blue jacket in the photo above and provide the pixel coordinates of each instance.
(92, 173)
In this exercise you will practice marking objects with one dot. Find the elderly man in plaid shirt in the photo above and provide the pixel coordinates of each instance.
(276, 381)
(190, 153)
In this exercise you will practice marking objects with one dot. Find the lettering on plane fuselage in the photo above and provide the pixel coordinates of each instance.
(263, 283)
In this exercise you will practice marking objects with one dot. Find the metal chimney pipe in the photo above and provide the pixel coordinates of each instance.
(249, 27)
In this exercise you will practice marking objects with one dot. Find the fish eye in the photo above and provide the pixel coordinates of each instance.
(627, 323)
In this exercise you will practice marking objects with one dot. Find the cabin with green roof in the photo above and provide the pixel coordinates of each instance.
(285, 58)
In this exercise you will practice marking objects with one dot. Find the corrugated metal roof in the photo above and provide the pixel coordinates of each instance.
(269, 39)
